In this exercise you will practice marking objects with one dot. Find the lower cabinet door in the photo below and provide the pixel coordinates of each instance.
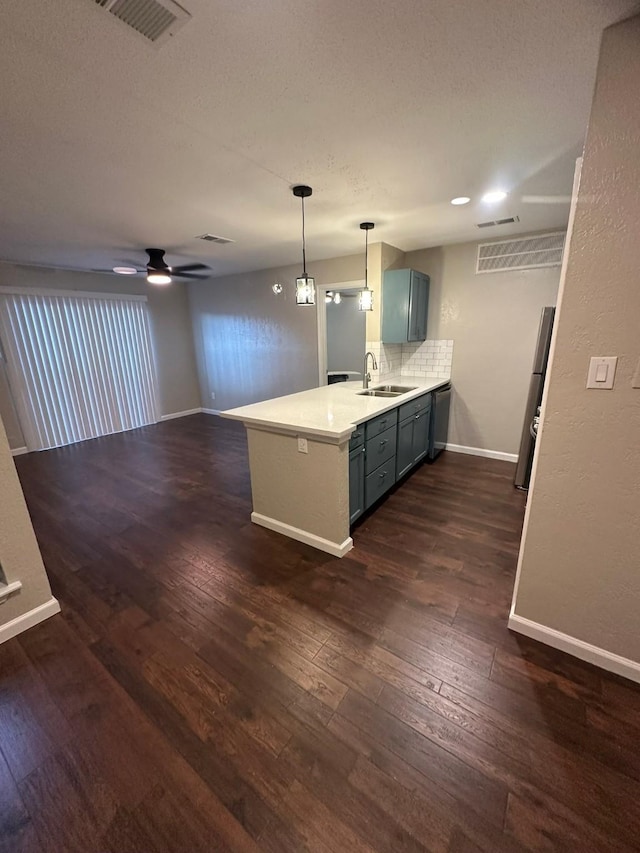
(421, 435)
(405, 452)
(379, 482)
(356, 483)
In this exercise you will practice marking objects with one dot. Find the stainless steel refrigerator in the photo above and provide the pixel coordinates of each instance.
(536, 386)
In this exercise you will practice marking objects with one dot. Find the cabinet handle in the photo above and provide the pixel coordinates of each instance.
(383, 423)
(364, 449)
(417, 417)
(383, 442)
(383, 475)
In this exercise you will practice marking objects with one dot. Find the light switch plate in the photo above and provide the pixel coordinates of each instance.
(602, 371)
(303, 447)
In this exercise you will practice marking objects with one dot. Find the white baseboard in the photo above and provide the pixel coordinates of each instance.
(480, 451)
(211, 411)
(19, 451)
(578, 648)
(180, 414)
(335, 548)
(28, 620)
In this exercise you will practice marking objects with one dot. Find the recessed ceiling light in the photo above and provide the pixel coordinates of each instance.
(461, 199)
(494, 195)
(125, 270)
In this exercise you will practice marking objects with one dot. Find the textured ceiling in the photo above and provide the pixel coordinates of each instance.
(109, 144)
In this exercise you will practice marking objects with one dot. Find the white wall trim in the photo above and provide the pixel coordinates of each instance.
(180, 414)
(578, 648)
(28, 620)
(335, 548)
(19, 451)
(480, 451)
(211, 411)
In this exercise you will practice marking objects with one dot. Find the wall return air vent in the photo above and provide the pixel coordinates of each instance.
(528, 253)
(156, 20)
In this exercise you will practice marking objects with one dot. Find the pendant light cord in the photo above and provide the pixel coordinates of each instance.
(366, 260)
(304, 253)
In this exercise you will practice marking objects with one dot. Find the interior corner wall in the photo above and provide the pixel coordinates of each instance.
(171, 333)
(579, 571)
(493, 321)
(19, 553)
(252, 344)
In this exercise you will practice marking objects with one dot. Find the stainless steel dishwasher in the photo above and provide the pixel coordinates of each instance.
(439, 427)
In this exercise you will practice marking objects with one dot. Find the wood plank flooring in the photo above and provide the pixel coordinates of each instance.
(213, 686)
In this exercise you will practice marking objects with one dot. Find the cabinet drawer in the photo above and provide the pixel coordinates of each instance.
(380, 448)
(420, 404)
(357, 437)
(379, 481)
(377, 425)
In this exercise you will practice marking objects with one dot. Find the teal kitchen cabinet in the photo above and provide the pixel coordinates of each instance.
(405, 304)
(413, 434)
(356, 482)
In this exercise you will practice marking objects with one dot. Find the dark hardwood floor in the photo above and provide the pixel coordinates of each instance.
(211, 685)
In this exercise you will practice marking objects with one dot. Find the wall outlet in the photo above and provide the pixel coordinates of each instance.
(213, 395)
(303, 447)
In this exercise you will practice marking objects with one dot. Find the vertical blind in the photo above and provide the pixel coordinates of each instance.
(78, 366)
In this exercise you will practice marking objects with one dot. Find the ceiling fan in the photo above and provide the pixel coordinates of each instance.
(160, 272)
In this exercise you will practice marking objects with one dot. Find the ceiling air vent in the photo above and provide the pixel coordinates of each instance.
(156, 20)
(507, 221)
(525, 254)
(212, 238)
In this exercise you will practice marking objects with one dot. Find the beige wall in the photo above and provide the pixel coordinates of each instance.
(493, 321)
(252, 345)
(580, 561)
(19, 553)
(170, 329)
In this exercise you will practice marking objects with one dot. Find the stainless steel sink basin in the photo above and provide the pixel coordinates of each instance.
(395, 389)
(378, 392)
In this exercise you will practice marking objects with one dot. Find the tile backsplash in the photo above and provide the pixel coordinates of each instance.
(427, 359)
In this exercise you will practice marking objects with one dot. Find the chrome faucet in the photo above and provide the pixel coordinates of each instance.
(366, 376)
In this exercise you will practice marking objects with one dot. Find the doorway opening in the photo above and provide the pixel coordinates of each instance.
(341, 332)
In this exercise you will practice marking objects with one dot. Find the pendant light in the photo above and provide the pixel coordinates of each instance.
(305, 284)
(365, 297)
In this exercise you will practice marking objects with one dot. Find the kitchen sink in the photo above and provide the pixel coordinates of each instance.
(395, 389)
(378, 392)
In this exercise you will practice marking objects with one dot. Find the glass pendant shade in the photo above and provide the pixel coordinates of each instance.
(305, 290)
(365, 297)
(365, 300)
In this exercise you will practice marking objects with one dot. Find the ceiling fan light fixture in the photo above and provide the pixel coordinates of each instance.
(305, 284)
(365, 297)
(158, 278)
(460, 199)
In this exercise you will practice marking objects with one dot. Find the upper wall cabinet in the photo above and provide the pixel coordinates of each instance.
(405, 300)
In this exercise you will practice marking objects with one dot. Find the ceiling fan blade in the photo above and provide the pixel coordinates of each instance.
(190, 268)
(189, 275)
(546, 199)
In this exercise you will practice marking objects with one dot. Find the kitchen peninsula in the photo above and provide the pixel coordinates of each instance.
(300, 447)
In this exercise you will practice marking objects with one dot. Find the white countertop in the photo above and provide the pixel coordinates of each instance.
(331, 411)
